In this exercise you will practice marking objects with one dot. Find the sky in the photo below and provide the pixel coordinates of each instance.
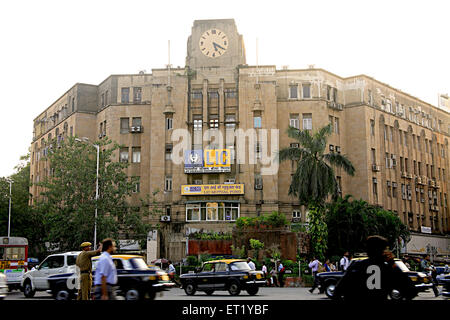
(48, 46)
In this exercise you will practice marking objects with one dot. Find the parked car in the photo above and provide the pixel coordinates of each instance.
(446, 286)
(328, 280)
(232, 275)
(135, 280)
(3, 286)
(36, 279)
(442, 273)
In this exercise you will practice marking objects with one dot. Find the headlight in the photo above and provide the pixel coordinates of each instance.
(245, 277)
(425, 280)
(414, 279)
(164, 277)
(258, 276)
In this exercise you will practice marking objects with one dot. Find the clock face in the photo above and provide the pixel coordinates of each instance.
(213, 43)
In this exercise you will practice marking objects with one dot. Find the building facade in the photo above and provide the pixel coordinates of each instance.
(231, 119)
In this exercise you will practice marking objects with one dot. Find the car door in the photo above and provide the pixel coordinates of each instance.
(40, 274)
(205, 278)
(220, 275)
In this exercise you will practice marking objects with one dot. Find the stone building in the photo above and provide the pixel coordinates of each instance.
(397, 143)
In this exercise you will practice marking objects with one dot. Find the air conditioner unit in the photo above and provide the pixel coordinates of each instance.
(339, 106)
(375, 180)
(165, 218)
(422, 200)
(331, 147)
(100, 136)
(338, 149)
(230, 181)
(394, 184)
(375, 168)
(258, 186)
(136, 129)
(409, 197)
(296, 219)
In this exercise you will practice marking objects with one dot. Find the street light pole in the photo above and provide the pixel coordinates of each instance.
(96, 195)
(97, 147)
(9, 209)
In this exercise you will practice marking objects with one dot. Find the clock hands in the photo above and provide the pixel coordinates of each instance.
(217, 46)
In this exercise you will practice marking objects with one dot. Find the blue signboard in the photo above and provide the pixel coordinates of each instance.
(193, 159)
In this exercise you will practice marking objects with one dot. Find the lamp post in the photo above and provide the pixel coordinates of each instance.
(97, 147)
(9, 208)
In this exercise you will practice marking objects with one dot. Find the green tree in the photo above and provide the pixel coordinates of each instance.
(314, 179)
(67, 201)
(351, 222)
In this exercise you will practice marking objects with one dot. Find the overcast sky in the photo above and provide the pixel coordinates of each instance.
(48, 46)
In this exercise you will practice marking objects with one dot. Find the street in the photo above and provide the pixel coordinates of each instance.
(263, 294)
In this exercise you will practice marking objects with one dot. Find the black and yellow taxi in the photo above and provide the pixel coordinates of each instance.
(232, 275)
(135, 279)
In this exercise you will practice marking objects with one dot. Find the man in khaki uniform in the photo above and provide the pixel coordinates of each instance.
(84, 264)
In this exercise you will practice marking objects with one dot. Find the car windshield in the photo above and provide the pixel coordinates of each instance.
(401, 265)
(240, 265)
(139, 263)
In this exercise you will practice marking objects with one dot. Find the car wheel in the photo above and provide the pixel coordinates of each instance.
(28, 291)
(63, 295)
(329, 289)
(132, 294)
(209, 292)
(190, 289)
(234, 289)
(395, 295)
(253, 291)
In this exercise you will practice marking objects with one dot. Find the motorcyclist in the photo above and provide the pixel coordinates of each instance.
(373, 279)
(428, 268)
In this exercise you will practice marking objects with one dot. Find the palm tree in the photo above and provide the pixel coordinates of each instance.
(314, 180)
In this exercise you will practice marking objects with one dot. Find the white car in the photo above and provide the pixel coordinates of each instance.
(3, 286)
(36, 279)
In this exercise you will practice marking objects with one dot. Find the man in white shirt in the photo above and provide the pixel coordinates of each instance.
(251, 264)
(345, 262)
(106, 273)
(314, 266)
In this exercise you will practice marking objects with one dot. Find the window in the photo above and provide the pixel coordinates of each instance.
(258, 150)
(103, 100)
(394, 190)
(306, 90)
(258, 181)
(406, 139)
(124, 154)
(389, 189)
(136, 151)
(212, 211)
(169, 123)
(372, 127)
(71, 131)
(374, 158)
(73, 104)
(374, 188)
(230, 122)
(124, 125)
(331, 121)
(168, 152)
(257, 123)
(385, 132)
(136, 122)
(230, 94)
(213, 179)
(214, 122)
(307, 121)
(168, 183)
(198, 124)
(336, 125)
(400, 137)
(137, 185)
(125, 95)
(293, 92)
(294, 121)
(370, 97)
(296, 214)
(137, 94)
(196, 95)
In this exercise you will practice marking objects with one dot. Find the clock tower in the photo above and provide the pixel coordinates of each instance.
(215, 43)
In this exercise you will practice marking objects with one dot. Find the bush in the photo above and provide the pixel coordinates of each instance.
(275, 219)
(192, 261)
(256, 244)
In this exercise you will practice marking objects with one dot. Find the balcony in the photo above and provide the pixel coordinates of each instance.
(376, 168)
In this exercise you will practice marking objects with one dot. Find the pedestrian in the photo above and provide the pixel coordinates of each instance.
(264, 270)
(273, 275)
(344, 263)
(373, 279)
(426, 267)
(281, 270)
(314, 266)
(251, 264)
(84, 268)
(172, 272)
(327, 265)
(106, 273)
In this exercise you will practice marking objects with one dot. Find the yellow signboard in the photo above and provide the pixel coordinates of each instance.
(212, 189)
(217, 158)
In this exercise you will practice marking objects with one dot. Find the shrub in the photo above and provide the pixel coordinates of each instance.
(256, 244)
(192, 261)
